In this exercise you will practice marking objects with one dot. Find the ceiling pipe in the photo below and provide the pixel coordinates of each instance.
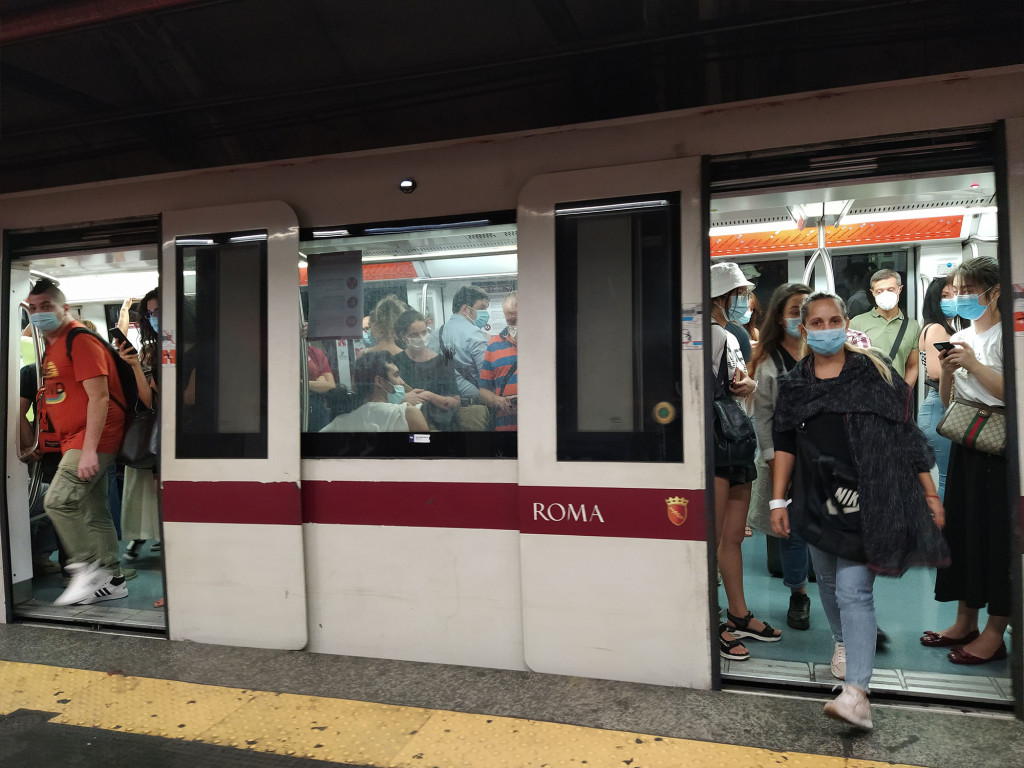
(63, 17)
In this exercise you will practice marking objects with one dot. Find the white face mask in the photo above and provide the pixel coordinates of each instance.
(886, 300)
(416, 343)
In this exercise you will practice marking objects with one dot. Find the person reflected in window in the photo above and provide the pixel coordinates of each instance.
(383, 394)
(464, 337)
(499, 376)
(383, 319)
(428, 373)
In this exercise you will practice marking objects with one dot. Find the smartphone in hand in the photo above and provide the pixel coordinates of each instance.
(120, 337)
(944, 346)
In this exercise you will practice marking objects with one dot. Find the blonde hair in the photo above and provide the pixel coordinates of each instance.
(876, 360)
(385, 316)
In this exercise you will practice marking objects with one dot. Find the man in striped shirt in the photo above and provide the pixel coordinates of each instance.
(499, 374)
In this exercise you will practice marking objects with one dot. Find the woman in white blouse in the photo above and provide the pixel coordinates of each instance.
(978, 524)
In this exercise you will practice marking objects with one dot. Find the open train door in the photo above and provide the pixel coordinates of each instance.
(229, 328)
(615, 570)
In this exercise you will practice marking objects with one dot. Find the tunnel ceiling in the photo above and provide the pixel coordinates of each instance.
(100, 89)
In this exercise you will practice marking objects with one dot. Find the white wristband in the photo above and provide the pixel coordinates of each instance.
(778, 504)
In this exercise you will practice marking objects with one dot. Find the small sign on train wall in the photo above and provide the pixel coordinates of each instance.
(168, 349)
(335, 295)
(693, 327)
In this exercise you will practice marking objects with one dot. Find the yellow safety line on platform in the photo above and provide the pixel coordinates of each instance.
(340, 730)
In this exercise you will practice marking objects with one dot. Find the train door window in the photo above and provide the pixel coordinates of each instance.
(853, 273)
(411, 338)
(617, 355)
(221, 349)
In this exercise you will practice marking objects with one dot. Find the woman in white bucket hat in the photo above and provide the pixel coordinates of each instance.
(729, 301)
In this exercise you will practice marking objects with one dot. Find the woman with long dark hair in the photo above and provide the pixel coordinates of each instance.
(980, 531)
(776, 354)
(140, 519)
(862, 492)
(938, 313)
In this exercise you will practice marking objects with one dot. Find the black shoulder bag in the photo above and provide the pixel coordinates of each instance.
(735, 441)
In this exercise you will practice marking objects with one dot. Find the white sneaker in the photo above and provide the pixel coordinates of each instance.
(107, 591)
(851, 706)
(839, 662)
(86, 578)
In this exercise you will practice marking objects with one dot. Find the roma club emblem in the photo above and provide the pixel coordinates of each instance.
(676, 509)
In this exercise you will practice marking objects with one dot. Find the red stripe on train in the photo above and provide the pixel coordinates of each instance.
(640, 513)
(231, 502)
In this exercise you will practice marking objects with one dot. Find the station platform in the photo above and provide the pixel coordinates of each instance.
(85, 698)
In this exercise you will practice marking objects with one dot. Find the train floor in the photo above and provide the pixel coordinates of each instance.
(904, 607)
(86, 698)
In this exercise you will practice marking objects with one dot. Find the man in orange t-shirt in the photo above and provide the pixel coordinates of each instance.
(84, 401)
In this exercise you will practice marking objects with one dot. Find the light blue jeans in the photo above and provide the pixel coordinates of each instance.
(928, 417)
(846, 594)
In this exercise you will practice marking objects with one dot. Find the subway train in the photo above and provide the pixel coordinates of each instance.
(576, 543)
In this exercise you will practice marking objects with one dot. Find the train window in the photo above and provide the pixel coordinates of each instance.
(222, 346)
(617, 265)
(410, 338)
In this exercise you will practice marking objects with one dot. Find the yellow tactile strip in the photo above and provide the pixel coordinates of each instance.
(340, 730)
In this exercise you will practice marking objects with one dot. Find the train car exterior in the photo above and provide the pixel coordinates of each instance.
(559, 560)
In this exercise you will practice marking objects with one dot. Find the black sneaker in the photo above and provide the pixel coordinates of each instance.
(799, 614)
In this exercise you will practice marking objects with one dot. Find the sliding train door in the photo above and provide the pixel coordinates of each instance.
(611, 425)
(230, 413)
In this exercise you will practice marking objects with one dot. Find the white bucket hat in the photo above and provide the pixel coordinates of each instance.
(727, 277)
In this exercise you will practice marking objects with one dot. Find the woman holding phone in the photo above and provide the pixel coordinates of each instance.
(980, 528)
(938, 313)
(140, 520)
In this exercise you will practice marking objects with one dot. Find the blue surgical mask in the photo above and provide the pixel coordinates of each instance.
(46, 322)
(746, 317)
(397, 393)
(827, 342)
(949, 307)
(967, 305)
(483, 317)
(368, 340)
(793, 327)
(154, 323)
(738, 309)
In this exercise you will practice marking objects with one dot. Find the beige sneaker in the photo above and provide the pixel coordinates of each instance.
(851, 706)
(839, 662)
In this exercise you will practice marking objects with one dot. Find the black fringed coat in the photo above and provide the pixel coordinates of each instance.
(888, 451)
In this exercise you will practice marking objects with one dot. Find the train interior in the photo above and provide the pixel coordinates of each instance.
(830, 235)
(920, 228)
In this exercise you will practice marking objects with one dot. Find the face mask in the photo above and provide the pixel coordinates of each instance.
(46, 322)
(512, 331)
(738, 309)
(482, 318)
(968, 306)
(397, 395)
(886, 300)
(368, 340)
(793, 327)
(949, 307)
(414, 343)
(746, 317)
(827, 342)
(155, 324)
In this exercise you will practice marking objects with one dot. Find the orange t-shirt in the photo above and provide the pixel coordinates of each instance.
(64, 396)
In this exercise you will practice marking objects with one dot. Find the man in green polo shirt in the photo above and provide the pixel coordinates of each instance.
(890, 331)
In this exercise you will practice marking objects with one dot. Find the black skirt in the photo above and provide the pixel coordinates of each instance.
(978, 531)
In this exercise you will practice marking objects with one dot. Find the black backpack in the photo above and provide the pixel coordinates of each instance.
(125, 374)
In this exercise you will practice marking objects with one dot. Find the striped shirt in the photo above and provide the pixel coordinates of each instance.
(500, 374)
